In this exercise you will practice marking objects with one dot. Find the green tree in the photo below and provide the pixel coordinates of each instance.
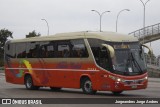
(33, 34)
(4, 35)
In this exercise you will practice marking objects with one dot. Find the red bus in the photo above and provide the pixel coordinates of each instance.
(93, 61)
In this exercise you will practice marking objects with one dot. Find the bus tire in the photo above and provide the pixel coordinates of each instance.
(86, 86)
(55, 88)
(29, 83)
(117, 92)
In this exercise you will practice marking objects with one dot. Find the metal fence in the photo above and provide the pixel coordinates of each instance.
(147, 31)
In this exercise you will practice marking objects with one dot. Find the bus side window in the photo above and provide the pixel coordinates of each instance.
(43, 51)
(78, 49)
(63, 50)
(100, 53)
(21, 50)
(32, 50)
(50, 51)
(47, 49)
(10, 50)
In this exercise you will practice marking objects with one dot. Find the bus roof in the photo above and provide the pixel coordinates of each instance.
(107, 36)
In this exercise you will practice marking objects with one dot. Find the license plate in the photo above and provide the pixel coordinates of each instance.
(134, 86)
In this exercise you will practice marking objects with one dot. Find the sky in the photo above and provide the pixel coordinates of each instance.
(24, 16)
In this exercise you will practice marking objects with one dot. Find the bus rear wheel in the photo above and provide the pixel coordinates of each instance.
(29, 83)
(87, 86)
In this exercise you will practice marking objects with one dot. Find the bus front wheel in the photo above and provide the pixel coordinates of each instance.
(87, 86)
(55, 88)
(29, 83)
(117, 92)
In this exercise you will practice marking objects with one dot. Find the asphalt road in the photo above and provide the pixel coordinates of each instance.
(8, 90)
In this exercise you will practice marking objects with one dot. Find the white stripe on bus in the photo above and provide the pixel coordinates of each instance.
(50, 69)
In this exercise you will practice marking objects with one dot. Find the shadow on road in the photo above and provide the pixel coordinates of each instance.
(65, 92)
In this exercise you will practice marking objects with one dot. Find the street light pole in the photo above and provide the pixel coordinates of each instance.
(144, 20)
(47, 25)
(118, 16)
(100, 15)
(144, 15)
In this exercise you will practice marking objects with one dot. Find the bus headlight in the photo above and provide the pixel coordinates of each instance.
(146, 78)
(112, 77)
(117, 79)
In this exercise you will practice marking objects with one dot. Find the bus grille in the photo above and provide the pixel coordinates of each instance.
(133, 82)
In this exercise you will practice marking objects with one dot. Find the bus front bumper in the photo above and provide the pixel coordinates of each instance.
(124, 85)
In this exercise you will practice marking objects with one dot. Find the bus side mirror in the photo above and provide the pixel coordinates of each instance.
(110, 48)
(150, 52)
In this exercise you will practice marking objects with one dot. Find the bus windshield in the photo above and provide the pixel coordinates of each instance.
(129, 59)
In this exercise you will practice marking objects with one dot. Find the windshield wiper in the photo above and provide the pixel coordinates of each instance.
(136, 63)
(129, 61)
